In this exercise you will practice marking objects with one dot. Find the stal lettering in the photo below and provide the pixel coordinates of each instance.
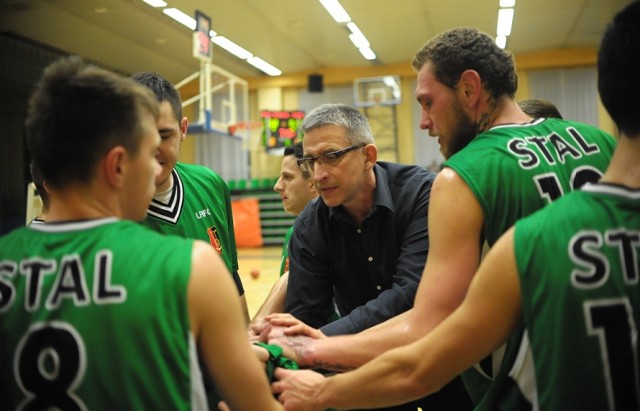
(586, 249)
(70, 282)
(550, 149)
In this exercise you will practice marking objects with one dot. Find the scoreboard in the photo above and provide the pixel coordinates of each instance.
(280, 128)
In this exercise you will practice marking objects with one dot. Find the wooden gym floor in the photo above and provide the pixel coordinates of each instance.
(267, 261)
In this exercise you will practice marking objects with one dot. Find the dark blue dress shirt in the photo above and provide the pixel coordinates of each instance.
(373, 270)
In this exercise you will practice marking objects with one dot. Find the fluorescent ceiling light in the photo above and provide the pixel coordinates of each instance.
(356, 36)
(505, 20)
(501, 41)
(358, 40)
(367, 53)
(156, 3)
(354, 28)
(221, 41)
(336, 10)
(507, 3)
(260, 64)
(231, 47)
(181, 18)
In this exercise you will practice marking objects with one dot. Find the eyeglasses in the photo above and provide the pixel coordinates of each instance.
(331, 159)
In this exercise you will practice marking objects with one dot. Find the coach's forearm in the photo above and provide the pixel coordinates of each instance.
(347, 352)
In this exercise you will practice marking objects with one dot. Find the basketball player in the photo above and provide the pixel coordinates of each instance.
(98, 312)
(569, 273)
(191, 200)
(501, 166)
(296, 189)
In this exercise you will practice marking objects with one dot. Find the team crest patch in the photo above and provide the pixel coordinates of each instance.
(214, 239)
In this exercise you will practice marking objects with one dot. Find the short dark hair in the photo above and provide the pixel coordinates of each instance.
(77, 113)
(538, 108)
(618, 65)
(460, 49)
(162, 88)
(297, 151)
(294, 149)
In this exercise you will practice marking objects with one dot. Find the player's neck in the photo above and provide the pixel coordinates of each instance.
(624, 168)
(166, 184)
(506, 111)
(82, 203)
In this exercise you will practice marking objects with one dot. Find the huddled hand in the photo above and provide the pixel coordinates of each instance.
(293, 325)
(293, 336)
(259, 330)
(261, 353)
(298, 390)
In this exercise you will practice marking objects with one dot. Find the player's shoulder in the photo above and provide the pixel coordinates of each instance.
(198, 172)
(204, 257)
(448, 177)
(138, 232)
(588, 129)
(12, 236)
(187, 168)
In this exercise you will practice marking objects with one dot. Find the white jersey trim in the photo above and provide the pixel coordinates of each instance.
(198, 393)
(171, 211)
(64, 226)
(523, 372)
(532, 123)
(612, 189)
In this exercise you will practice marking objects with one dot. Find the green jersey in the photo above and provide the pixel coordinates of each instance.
(199, 207)
(90, 319)
(581, 298)
(514, 170)
(284, 262)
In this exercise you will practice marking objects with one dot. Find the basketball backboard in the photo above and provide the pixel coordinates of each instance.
(372, 91)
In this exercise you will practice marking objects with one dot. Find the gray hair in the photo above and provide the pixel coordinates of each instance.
(356, 124)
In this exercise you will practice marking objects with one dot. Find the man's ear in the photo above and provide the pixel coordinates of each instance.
(184, 125)
(371, 155)
(114, 166)
(470, 86)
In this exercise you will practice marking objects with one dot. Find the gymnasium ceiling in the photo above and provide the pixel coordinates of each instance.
(294, 35)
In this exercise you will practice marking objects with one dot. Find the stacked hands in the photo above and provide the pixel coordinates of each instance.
(295, 389)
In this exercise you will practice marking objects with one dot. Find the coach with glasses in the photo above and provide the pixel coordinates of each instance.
(365, 244)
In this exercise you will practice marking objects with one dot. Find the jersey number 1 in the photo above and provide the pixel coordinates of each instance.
(612, 322)
(550, 188)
